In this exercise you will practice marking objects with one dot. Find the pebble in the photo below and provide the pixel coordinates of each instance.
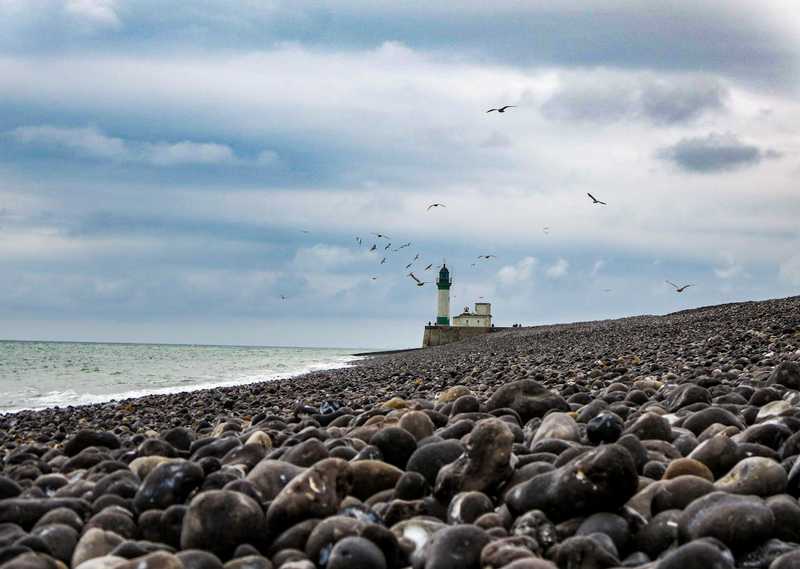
(653, 442)
(740, 522)
(220, 520)
(599, 480)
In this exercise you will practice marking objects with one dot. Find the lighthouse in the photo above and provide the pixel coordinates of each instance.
(443, 283)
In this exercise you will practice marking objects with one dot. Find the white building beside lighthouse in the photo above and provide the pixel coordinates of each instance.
(480, 318)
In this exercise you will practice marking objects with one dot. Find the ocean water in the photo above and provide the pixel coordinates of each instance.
(36, 375)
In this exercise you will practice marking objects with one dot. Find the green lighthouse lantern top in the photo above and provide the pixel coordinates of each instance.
(444, 281)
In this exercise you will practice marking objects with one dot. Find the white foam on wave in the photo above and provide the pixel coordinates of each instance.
(70, 397)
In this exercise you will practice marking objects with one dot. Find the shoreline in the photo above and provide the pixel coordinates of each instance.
(382, 369)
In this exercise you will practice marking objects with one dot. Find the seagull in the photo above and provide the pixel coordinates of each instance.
(435, 205)
(502, 109)
(380, 236)
(416, 257)
(383, 260)
(428, 267)
(679, 288)
(373, 247)
(387, 246)
(595, 201)
(358, 240)
(409, 265)
(413, 276)
(404, 245)
(421, 283)
(487, 257)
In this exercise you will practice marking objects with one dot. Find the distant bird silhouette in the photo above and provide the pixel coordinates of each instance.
(283, 297)
(416, 257)
(373, 247)
(404, 245)
(381, 236)
(413, 276)
(502, 109)
(487, 257)
(374, 278)
(433, 205)
(428, 267)
(387, 246)
(408, 266)
(305, 231)
(595, 201)
(679, 288)
(383, 260)
(358, 240)
(422, 283)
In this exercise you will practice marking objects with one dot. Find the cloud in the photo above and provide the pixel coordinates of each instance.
(607, 96)
(729, 268)
(789, 270)
(165, 154)
(100, 13)
(714, 153)
(322, 257)
(558, 269)
(521, 272)
(90, 142)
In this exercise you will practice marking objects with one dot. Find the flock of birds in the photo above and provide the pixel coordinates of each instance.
(387, 248)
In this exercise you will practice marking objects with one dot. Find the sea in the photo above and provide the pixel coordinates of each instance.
(37, 375)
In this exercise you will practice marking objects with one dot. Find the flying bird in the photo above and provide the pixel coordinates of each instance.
(416, 257)
(404, 245)
(373, 247)
(283, 297)
(502, 109)
(487, 257)
(381, 236)
(387, 246)
(409, 265)
(421, 283)
(383, 260)
(428, 267)
(304, 231)
(358, 240)
(595, 201)
(413, 276)
(374, 278)
(433, 205)
(679, 288)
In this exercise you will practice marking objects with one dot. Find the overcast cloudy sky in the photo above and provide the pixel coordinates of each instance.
(160, 161)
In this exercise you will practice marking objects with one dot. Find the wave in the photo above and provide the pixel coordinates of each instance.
(70, 397)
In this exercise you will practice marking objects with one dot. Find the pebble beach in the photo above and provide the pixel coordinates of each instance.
(657, 442)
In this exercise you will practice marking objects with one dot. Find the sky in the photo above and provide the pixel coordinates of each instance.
(170, 170)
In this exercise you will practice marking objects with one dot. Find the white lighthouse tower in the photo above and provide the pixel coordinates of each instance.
(443, 283)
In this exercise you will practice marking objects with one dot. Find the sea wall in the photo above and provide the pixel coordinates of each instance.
(441, 335)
